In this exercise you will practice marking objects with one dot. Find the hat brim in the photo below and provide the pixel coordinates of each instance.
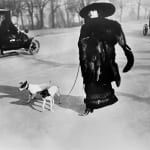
(107, 9)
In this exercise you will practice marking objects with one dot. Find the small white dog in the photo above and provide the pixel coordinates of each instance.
(45, 90)
(33, 89)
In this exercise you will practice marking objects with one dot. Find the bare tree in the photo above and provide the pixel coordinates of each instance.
(52, 13)
(121, 10)
(120, 4)
(40, 6)
(18, 10)
(30, 8)
(72, 8)
(138, 9)
(54, 5)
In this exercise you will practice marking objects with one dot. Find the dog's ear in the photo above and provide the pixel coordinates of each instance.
(20, 83)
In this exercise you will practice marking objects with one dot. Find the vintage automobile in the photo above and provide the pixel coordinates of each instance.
(146, 28)
(18, 40)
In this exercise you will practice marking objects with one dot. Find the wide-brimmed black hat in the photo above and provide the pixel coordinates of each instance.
(106, 9)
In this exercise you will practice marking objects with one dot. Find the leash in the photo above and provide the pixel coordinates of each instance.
(74, 81)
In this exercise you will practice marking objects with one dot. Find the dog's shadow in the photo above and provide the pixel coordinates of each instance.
(74, 103)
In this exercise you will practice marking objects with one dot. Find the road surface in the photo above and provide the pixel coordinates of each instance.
(122, 126)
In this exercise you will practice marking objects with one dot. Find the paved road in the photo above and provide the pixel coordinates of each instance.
(123, 126)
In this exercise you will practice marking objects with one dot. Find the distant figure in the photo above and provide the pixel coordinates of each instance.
(98, 37)
(7, 29)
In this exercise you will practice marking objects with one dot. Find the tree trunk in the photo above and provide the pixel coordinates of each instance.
(138, 9)
(41, 18)
(67, 16)
(121, 9)
(52, 14)
(22, 22)
(32, 21)
(121, 13)
(30, 7)
(83, 3)
(68, 20)
(63, 20)
(38, 21)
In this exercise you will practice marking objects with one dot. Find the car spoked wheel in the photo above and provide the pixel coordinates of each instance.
(34, 47)
(145, 29)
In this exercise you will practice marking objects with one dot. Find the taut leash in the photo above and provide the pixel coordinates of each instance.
(74, 81)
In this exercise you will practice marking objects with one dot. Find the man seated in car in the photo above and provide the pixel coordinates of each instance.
(7, 30)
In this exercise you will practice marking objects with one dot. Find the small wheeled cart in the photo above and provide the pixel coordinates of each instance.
(146, 28)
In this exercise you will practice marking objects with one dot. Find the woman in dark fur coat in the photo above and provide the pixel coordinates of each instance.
(98, 37)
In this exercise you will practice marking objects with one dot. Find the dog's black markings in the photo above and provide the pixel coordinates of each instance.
(44, 93)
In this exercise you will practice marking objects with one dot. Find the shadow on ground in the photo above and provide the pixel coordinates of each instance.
(135, 97)
(8, 54)
(14, 53)
(74, 103)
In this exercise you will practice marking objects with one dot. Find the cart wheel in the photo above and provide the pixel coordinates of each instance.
(145, 29)
(34, 47)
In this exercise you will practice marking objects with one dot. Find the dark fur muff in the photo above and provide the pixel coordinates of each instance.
(96, 62)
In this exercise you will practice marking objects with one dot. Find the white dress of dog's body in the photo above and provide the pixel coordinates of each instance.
(52, 91)
(33, 89)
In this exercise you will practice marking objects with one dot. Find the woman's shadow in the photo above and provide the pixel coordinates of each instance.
(74, 103)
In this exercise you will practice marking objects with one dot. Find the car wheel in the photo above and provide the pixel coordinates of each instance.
(145, 29)
(1, 52)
